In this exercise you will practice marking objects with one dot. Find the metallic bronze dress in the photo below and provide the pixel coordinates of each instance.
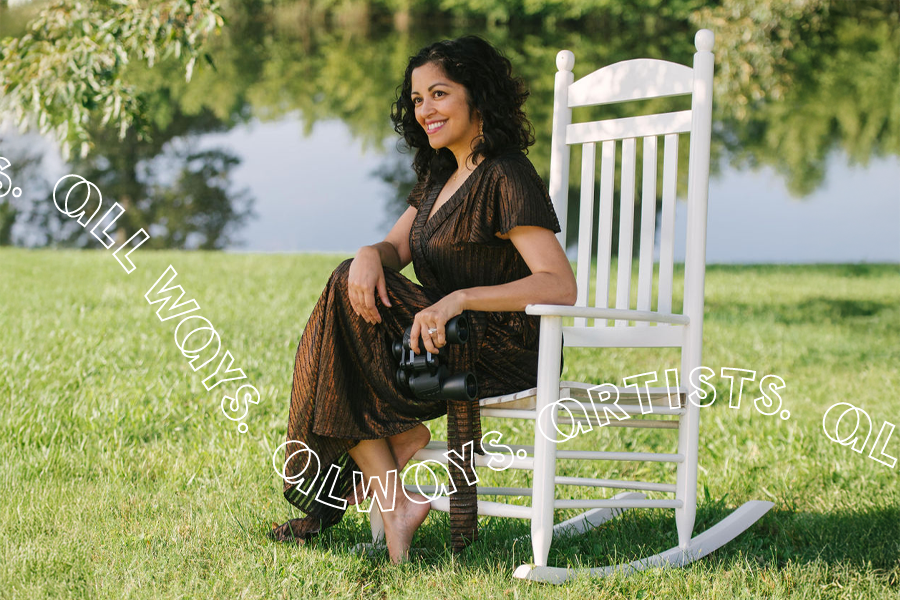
(344, 388)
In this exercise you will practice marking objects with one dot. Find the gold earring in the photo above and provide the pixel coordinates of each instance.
(481, 128)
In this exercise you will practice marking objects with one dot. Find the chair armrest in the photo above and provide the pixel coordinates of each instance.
(592, 312)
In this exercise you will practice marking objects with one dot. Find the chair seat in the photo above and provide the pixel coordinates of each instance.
(526, 399)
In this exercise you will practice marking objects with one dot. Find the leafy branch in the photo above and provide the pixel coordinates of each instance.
(69, 68)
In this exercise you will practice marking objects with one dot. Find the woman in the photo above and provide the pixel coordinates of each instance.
(480, 233)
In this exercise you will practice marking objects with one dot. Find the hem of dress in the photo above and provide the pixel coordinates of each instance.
(358, 439)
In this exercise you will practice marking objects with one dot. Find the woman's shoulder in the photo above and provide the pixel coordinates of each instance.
(510, 194)
(510, 162)
(513, 166)
(417, 193)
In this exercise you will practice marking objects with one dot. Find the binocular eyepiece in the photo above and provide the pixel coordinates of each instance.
(426, 375)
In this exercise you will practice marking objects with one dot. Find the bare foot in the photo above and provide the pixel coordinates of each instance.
(401, 524)
(403, 446)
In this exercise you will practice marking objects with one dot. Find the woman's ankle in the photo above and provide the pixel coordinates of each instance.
(405, 445)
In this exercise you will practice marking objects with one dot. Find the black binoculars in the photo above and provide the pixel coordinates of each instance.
(426, 375)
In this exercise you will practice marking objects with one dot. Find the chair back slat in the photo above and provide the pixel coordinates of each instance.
(631, 80)
(637, 241)
(667, 229)
(648, 228)
(617, 129)
(626, 228)
(586, 215)
(604, 239)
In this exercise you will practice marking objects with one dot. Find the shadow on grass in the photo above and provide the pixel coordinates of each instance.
(810, 311)
(862, 539)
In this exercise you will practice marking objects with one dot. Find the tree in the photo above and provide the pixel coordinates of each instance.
(68, 70)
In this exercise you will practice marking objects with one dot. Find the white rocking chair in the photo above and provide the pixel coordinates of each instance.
(621, 82)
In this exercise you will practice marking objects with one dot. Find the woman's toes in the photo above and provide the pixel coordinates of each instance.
(357, 495)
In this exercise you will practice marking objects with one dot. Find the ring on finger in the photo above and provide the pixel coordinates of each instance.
(432, 330)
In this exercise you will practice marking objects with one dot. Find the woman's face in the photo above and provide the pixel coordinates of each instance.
(442, 109)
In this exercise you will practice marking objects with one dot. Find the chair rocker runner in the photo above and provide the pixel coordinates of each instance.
(666, 407)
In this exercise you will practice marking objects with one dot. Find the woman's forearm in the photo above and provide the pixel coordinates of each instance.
(388, 255)
(537, 288)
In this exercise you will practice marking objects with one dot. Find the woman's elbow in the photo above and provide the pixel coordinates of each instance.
(569, 290)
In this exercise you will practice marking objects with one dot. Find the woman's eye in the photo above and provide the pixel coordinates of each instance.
(439, 92)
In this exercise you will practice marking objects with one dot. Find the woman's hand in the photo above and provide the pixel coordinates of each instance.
(366, 276)
(435, 317)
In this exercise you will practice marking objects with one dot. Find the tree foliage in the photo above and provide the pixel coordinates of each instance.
(69, 68)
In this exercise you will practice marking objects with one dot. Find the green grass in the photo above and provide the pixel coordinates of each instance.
(121, 477)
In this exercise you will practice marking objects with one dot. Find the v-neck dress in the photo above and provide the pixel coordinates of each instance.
(344, 388)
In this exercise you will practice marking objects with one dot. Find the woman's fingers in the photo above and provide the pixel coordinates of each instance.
(372, 315)
(436, 338)
(382, 291)
(430, 328)
(359, 306)
(430, 340)
(354, 301)
(414, 336)
(364, 280)
(362, 300)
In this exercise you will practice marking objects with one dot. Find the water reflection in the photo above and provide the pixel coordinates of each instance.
(180, 194)
(313, 193)
(342, 203)
(292, 91)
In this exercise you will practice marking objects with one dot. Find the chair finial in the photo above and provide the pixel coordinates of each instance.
(565, 60)
(704, 40)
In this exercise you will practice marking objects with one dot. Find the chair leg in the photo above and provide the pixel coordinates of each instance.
(686, 478)
(543, 498)
(376, 522)
(544, 482)
(684, 521)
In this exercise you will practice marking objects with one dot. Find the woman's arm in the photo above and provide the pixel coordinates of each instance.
(394, 251)
(551, 282)
(366, 276)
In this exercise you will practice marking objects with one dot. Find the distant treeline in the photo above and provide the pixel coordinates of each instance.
(647, 12)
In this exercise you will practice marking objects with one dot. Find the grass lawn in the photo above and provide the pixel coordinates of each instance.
(121, 477)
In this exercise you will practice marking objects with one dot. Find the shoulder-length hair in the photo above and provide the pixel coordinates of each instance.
(491, 89)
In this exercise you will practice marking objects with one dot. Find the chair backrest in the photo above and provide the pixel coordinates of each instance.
(624, 82)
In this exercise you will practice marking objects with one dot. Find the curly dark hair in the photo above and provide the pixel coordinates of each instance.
(491, 89)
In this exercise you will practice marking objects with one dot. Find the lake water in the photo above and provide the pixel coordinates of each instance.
(854, 216)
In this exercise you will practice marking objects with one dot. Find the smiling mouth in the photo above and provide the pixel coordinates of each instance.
(433, 127)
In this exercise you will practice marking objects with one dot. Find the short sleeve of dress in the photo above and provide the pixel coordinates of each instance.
(416, 195)
(518, 197)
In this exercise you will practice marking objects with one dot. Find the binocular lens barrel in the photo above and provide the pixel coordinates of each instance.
(457, 330)
(425, 375)
(462, 386)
